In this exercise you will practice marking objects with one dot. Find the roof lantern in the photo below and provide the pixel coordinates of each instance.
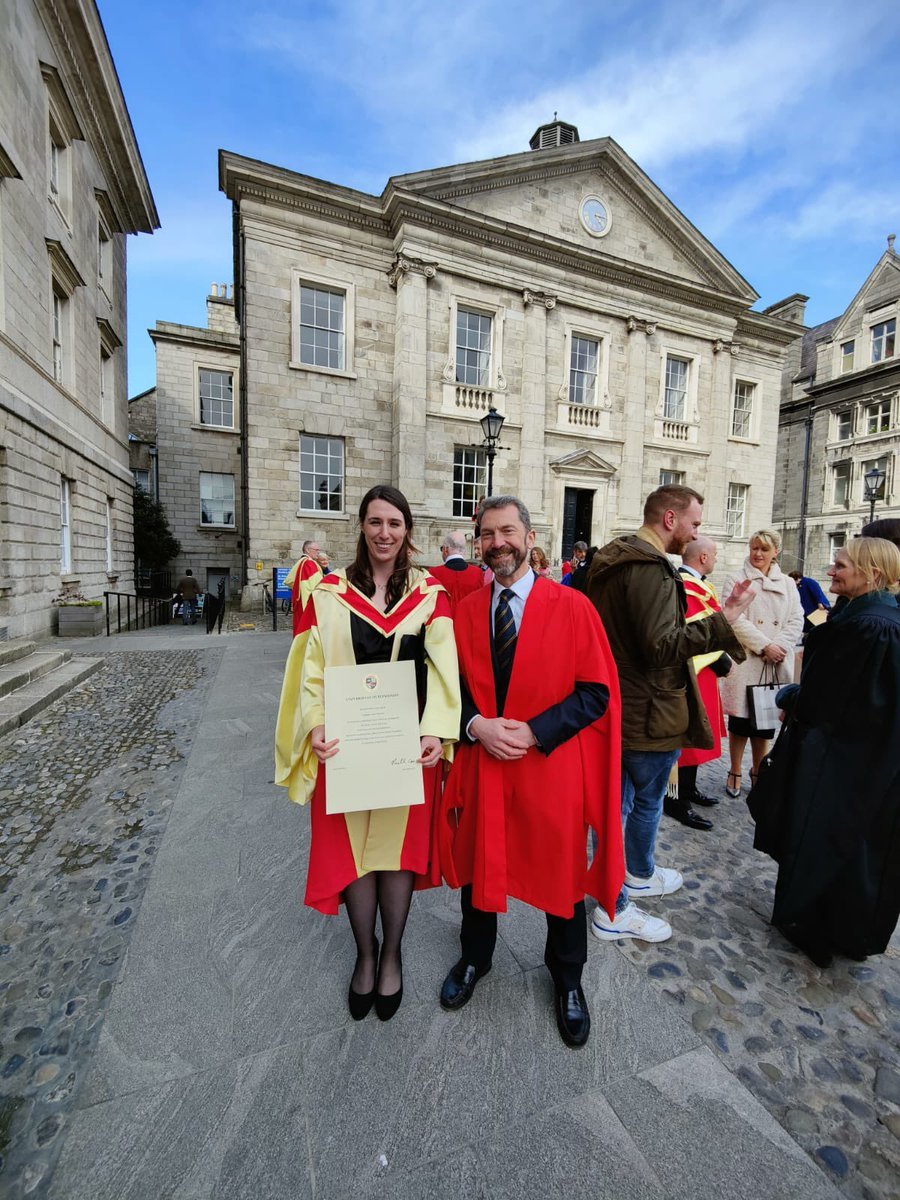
(557, 133)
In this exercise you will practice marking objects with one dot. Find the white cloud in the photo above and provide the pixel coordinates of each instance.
(848, 210)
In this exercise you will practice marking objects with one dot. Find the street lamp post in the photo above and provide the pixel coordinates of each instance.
(491, 424)
(874, 481)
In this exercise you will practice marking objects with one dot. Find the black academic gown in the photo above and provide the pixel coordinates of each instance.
(828, 810)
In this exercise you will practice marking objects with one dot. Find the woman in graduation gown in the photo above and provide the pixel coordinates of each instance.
(381, 609)
(828, 807)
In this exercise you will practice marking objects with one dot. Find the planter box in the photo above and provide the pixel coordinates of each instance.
(78, 621)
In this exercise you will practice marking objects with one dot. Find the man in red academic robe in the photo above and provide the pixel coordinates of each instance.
(698, 560)
(303, 577)
(457, 576)
(536, 768)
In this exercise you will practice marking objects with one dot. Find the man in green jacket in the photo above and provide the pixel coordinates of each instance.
(640, 597)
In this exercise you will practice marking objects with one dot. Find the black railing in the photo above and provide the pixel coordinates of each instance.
(153, 583)
(135, 612)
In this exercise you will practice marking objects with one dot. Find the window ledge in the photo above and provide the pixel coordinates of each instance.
(217, 528)
(299, 366)
(322, 516)
(216, 429)
(744, 441)
(112, 576)
(70, 578)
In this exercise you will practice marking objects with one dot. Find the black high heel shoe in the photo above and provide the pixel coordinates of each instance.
(360, 1003)
(386, 1006)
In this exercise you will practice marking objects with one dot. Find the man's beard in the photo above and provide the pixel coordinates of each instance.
(511, 558)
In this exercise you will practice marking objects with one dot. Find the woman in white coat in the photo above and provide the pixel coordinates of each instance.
(769, 631)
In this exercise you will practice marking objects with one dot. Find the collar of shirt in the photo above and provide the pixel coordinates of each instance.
(521, 590)
(449, 556)
(693, 571)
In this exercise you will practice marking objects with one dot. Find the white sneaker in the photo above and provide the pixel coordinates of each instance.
(632, 922)
(662, 882)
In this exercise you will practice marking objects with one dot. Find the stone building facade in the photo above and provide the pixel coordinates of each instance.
(142, 441)
(840, 417)
(72, 186)
(197, 440)
(559, 286)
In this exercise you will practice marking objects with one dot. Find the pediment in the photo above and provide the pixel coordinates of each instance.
(582, 462)
(543, 191)
(880, 289)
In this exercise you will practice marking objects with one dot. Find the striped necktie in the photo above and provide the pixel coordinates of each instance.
(504, 635)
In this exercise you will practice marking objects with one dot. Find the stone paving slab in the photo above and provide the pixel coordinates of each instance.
(228, 1066)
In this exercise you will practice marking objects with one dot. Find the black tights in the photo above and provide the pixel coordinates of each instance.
(687, 784)
(390, 893)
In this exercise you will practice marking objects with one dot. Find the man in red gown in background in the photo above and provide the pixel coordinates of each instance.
(303, 577)
(698, 560)
(536, 767)
(458, 577)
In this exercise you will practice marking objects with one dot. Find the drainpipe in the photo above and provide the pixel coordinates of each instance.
(239, 294)
(804, 493)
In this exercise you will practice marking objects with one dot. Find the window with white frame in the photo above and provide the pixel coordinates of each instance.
(880, 464)
(669, 478)
(836, 541)
(109, 535)
(105, 380)
(474, 331)
(216, 389)
(883, 340)
(104, 257)
(840, 483)
(60, 321)
(141, 479)
(878, 416)
(65, 525)
(843, 426)
(583, 366)
(216, 499)
(322, 327)
(62, 130)
(469, 479)
(847, 351)
(736, 509)
(742, 408)
(676, 386)
(321, 473)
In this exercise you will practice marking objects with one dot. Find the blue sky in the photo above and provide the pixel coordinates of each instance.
(770, 125)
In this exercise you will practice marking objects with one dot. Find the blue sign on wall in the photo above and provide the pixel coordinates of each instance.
(279, 575)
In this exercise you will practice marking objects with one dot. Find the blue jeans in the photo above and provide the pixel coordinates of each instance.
(188, 608)
(645, 774)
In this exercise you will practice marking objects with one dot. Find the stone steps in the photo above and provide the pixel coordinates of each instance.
(29, 668)
(31, 679)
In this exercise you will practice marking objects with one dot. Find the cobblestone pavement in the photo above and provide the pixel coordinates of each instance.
(85, 792)
(819, 1048)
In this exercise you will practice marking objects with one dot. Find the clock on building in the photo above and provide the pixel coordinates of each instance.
(595, 216)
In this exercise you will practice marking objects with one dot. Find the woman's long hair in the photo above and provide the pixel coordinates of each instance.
(537, 552)
(359, 572)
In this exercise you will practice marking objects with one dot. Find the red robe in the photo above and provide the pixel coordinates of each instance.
(701, 602)
(520, 828)
(458, 583)
(301, 579)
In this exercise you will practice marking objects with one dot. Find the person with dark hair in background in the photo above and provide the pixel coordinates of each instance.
(381, 609)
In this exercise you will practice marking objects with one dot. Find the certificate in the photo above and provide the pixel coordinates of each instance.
(374, 711)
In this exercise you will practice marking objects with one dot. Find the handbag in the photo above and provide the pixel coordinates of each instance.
(763, 710)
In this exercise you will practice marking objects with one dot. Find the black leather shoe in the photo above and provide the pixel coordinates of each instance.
(686, 815)
(360, 1003)
(460, 983)
(704, 801)
(572, 1017)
